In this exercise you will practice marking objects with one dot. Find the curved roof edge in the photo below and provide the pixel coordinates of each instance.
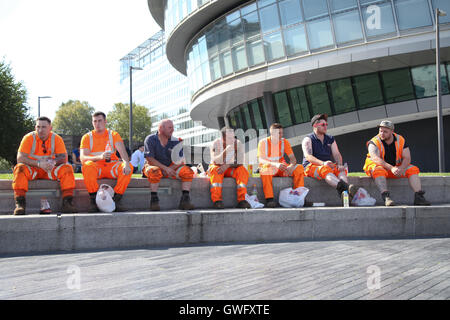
(156, 8)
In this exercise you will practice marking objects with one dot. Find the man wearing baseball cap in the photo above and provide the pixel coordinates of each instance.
(322, 159)
(389, 157)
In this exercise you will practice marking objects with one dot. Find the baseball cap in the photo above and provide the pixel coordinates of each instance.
(387, 124)
(318, 117)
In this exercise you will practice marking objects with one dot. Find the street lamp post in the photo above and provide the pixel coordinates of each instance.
(131, 107)
(39, 104)
(440, 125)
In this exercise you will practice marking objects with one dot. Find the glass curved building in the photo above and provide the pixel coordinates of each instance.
(252, 63)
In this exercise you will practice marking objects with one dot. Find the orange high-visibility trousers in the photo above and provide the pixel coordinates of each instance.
(320, 172)
(376, 171)
(240, 174)
(110, 170)
(154, 174)
(23, 173)
(267, 172)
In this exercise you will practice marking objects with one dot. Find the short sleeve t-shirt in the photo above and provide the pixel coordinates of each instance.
(171, 152)
(273, 151)
(41, 146)
(390, 153)
(100, 141)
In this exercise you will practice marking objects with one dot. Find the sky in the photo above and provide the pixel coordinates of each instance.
(70, 49)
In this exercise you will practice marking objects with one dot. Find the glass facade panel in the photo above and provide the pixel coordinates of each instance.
(255, 52)
(347, 27)
(443, 5)
(223, 34)
(295, 40)
(319, 34)
(238, 116)
(215, 68)
(337, 5)
(254, 107)
(247, 9)
(227, 64)
(239, 58)
(290, 12)
(315, 8)
(412, 13)
(342, 95)
(299, 105)
(273, 46)
(397, 85)
(318, 96)
(269, 18)
(282, 112)
(424, 78)
(246, 115)
(378, 20)
(251, 25)
(368, 90)
(236, 31)
(262, 3)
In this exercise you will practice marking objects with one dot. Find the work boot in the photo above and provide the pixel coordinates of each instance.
(154, 204)
(67, 206)
(20, 206)
(92, 204)
(352, 190)
(185, 202)
(308, 203)
(218, 205)
(419, 199)
(270, 203)
(119, 207)
(388, 202)
(243, 205)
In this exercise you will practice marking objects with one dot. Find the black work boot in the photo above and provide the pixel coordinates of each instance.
(20, 206)
(185, 202)
(388, 202)
(419, 199)
(154, 203)
(67, 206)
(119, 207)
(270, 203)
(218, 205)
(243, 205)
(92, 204)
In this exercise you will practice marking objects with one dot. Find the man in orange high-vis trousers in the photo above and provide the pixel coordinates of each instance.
(271, 152)
(42, 155)
(98, 156)
(227, 155)
(389, 157)
(165, 159)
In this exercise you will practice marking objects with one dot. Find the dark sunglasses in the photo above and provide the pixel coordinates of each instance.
(44, 147)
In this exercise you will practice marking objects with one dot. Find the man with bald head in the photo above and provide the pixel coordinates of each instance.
(164, 159)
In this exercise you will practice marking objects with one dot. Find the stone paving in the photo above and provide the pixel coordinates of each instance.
(319, 270)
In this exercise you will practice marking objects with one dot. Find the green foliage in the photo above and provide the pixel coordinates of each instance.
(16, 120)
(118, 120)
(73, 118)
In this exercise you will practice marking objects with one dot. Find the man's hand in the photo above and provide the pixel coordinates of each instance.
(329, 164)
(47, 164)
(396, 171)
(223, 168)
(106, 155)
(281, 166)
(169, 171)
(126, 169)
(291, 168)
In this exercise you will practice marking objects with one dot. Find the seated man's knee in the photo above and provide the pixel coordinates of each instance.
(186, 173)
(153, 173)
(412, 170)
(379, 171)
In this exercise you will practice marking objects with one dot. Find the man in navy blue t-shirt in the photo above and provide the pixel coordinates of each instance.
(322, 159)
(164, 159)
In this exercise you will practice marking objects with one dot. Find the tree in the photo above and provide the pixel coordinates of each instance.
(16, 120)
(73, 118)
(118, 120)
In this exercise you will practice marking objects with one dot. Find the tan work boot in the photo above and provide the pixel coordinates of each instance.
(218, 205)
(185, 202)
(20, 206)
(67, 206)
(388, 202)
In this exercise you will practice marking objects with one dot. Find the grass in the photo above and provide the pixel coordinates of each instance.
(9, 176)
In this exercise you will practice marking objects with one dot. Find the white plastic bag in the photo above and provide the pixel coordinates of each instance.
(293, 198)
(363, 198)
(104, 198)
(253, 201)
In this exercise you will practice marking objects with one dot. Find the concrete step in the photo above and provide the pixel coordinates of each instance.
(74, 232)
(137, 196)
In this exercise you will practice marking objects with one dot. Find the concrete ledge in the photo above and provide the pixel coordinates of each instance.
(76, 232)
(137, 196)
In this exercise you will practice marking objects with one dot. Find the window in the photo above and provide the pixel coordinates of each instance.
(273, 46)
(246, 116)
(251, 25)
(239, 58)
(299, 105)
(368, 90)
(342, 95)
(295, 40)
(315, 8)
(255, 52)
(236, 31)
(318, 96)
(347, 27)
(337, 5)
(424, 78)
(412, 14)
(227, 64)
(256, 115)
(290, 12)
(397, 85)
(248, 9)
(319, 34)
(443, 5)
(378, 22)
(269, 18)
(282, 112)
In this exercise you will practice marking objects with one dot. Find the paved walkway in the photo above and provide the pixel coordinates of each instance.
(369, 269)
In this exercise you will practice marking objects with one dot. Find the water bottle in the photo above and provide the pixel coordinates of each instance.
(345, 198)
(45, 206)
(108, 150)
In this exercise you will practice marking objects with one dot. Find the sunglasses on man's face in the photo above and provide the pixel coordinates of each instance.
(323, 124)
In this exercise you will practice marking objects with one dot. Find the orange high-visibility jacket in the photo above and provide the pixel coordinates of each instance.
(399, 144)
(96, 143)
(274, 153)
(33, 145)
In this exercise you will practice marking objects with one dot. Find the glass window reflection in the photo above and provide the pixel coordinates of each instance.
(342, 95)
(337, 5)
(378, 19)
(424, 78)
(318, 95)
(290, 12)
(442, 5)
(397, 85)
(255, 52)
(412, 13)
(273, 46)
(315, 8)
(295, 40)
(269, 18)
(282, 112)
(347, 27)
(319, 34)
(368, 90)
